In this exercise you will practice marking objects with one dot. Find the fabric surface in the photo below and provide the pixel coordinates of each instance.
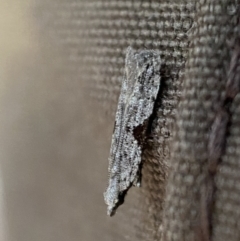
(59, 95)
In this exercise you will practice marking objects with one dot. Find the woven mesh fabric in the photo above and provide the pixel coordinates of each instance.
(54, 178)
(203, 92)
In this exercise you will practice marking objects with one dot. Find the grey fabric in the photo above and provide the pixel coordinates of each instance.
(60, 85)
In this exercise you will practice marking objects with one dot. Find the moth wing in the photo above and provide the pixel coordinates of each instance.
(145, 67)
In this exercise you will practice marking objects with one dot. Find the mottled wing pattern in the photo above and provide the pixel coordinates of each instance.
(138, 94)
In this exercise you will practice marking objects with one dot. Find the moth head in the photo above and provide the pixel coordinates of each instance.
(113, 200)
(111, 210)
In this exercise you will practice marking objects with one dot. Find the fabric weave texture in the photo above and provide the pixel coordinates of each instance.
(82, 46)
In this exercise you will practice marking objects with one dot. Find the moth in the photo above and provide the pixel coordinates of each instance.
(139, 91)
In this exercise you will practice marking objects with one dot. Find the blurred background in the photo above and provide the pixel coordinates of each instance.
(55, 125)
(50, 159)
